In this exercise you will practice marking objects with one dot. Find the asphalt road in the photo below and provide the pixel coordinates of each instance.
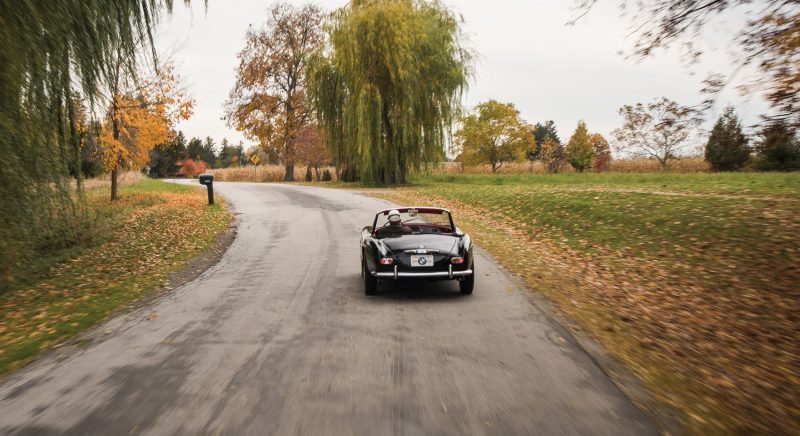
(279, 338)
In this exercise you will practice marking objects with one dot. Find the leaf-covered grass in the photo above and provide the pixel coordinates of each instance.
(153, 230)
(690, 279)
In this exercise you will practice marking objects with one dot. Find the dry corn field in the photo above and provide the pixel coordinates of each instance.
(274, 173)
(264, 173)
(682, 165)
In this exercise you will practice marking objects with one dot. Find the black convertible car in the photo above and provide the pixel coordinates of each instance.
(415, 243)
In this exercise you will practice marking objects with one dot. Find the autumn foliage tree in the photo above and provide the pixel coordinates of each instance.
(657, 130)
(311, 149)
(388, 86)
(268, 102)
(140, 115)
(579, 148)
(602, 152)
(494, 134)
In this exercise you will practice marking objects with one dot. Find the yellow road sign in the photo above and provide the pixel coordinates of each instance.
(254, 158)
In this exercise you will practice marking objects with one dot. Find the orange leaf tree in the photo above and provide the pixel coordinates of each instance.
(139, 117)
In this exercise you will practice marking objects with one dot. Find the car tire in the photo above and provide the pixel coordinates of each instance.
(370, 282)
(468, 283)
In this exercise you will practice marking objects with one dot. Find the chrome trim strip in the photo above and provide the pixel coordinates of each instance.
(420, 251)
(450, 270)
(436, 274)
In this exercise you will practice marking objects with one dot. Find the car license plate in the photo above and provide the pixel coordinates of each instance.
(426, 260)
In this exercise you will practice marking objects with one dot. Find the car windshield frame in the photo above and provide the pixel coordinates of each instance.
(417, 210)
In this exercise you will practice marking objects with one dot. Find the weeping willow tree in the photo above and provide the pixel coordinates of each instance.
(48, 50)
(388, 86)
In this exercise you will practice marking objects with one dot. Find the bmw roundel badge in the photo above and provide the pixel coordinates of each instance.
(421, 261)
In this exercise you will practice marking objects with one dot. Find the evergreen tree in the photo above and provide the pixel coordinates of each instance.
(579, 148)
(779, 148)
(241, 154)
(164, 157)
(209, 155)
(727, 148)
(540, 133)
(199, 150)
(230, 155)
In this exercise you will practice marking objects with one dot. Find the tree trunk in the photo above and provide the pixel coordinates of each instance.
(316, 171)
(115, 128)
(115, 171)
(114, 194)
(289, 176)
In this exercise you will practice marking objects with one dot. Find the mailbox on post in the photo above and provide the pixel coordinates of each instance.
(208, 180)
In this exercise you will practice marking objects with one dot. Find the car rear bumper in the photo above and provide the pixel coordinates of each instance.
(449, 274)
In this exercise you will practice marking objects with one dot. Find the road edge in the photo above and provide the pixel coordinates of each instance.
(620, 375)
(97, 333)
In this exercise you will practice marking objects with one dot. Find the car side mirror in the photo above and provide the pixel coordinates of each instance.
(459, 232)
(367, 229)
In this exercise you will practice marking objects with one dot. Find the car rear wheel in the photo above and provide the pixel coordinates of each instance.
(370, 282)
(468, 283)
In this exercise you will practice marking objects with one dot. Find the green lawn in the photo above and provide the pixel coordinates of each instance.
(135, 243)
(691, 279)
(773, 184)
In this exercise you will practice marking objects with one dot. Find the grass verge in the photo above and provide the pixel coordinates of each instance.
(152, 231)
(690, 279)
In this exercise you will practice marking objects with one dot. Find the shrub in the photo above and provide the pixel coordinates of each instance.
(326, 176)
(191, 168)
(91, 168)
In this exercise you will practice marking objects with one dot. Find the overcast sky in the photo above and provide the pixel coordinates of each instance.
(526, 56)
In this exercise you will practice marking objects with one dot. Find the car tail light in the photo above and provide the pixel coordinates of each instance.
(457, 260)
(387, 261)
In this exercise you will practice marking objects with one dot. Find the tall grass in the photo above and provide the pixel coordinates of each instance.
(126, 178)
